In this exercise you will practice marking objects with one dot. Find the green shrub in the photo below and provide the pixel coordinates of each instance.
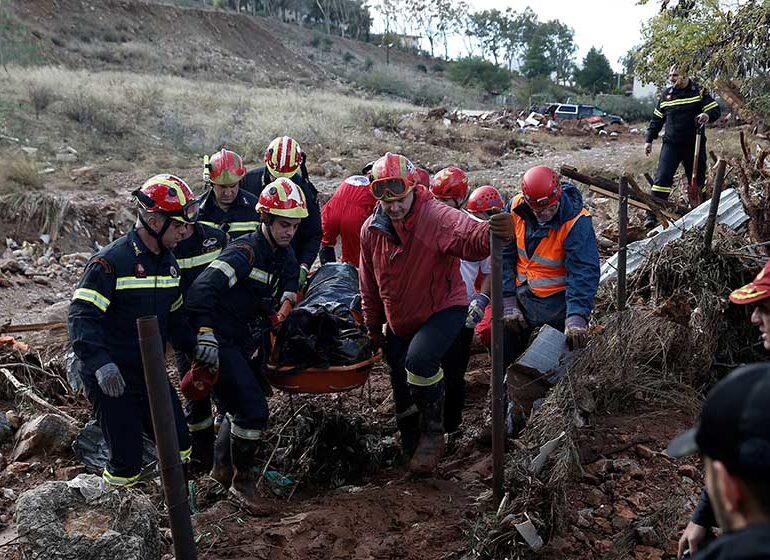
(16, 44)
(348, 56)
(630, 108)
(438, 67)
(328, 44)
(315, 42)
(477, 72)
(422, 68)
(93, 113)
(368, 63)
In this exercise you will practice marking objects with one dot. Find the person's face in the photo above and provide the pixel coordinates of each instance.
(226, 194)
(398, 209)
(545, 215)
(677, 79)
(761, 317)
(176, 231)
(283, 230)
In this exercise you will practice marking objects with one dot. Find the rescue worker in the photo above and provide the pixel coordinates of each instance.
(683, 108)
(227, 205)
(410, 283)
(756, 293)
(342, 217)
(551, 272)
(733, 437)
(134, 276)
(238, 289)
(284, 158)
(450, 186)
(193, 255)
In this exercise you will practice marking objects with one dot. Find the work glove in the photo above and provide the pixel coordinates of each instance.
(476, 309)
(207, 348)
(647, 148)
(110, 380)
(327, 254)
(303, 270)
(702, 118)
(576, 329)
(513, 316)
(501, 225)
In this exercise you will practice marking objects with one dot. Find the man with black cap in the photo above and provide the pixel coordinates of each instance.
(733, 436)
(757, 294)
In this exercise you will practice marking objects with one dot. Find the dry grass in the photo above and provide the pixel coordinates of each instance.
(23, 171)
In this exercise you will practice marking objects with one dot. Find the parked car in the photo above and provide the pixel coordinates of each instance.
(567, 111)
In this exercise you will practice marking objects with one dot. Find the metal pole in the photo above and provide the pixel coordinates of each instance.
(498, 370)
(163, 425)
(719, 181)
(622, 241)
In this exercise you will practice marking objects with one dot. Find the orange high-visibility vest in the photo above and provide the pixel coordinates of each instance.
(544, 271)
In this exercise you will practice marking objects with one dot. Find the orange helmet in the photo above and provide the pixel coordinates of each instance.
(283, 198)
(393, 176)
(283, 157)
(169, 195)
(484, 199)
(451, 182)
(541, 187)
(224, 168)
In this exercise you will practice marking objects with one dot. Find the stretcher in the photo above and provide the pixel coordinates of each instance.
(335, 379)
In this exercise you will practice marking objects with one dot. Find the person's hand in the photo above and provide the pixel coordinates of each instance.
(576, 329)
(691, 538)
(303, 271)
(647, 148)
(376, 337)
(513, 316)
(702, 119)
(207, 348)
(476, 309)
(501, 225)
(110, 380)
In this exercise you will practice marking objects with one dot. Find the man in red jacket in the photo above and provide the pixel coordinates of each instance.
(342, 216)
(410, 281)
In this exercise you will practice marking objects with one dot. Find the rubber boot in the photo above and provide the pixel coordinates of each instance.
(244, 488)
(408, 423)
(650, 221)
(222, 471)
(202, 457)
(430, 448)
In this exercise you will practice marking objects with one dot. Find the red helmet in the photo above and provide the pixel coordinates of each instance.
(283, 198)
(451, 182)
(541, 187)
(423, 177)
(169, 195)
(224, 168)
(484, 199)
(283, 157)
(393, 176)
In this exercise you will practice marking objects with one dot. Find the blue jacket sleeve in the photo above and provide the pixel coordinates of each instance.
(86, 316)
(582, 264)
(180, 332)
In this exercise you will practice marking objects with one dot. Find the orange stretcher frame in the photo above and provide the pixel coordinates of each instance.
(335, 379)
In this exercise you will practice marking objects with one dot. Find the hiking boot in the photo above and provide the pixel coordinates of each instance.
(222, 471)
(430, 448)
(244, 487)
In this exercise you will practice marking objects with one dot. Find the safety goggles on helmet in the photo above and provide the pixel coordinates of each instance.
(187, 213)
(389, 188)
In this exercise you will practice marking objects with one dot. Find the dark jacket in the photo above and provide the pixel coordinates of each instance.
(751, 543)
(307, 241)
(581, 262)
(122, 282)
(677, 109)
(243, 284)
(196, 252)
(241, 218)
(704, 513)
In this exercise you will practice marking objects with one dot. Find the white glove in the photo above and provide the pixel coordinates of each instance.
(207, 349)
(110, 380)
(476, 309)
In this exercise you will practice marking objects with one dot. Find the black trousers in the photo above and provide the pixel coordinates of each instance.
(673, 154)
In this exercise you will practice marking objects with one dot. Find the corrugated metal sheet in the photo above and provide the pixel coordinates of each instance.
(730, 213)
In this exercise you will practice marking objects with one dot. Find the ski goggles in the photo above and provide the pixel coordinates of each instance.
(187, 214)
(391, 188)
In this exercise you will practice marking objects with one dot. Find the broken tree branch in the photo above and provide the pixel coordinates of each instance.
(9, 328)
(744, 147)
(26, 391)
(661, 215)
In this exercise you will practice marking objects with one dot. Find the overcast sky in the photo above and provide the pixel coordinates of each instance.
(612, 25)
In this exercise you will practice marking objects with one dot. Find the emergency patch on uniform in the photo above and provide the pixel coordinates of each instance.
(139, 271)
(210, 242)
(104, 263)
(248, 250)
(173, 272)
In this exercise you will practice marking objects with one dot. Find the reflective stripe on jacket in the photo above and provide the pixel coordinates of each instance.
(544, 271)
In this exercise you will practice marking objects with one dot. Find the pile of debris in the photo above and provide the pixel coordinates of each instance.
(754, 190)
(38, 263)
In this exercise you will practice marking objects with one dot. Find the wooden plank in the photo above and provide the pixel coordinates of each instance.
(633, 202)
(8, 328)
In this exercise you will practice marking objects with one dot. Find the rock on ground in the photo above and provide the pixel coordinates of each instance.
(59, 524)
(44, 435)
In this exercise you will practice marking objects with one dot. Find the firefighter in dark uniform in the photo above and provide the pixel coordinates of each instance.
(226, 205)
(134, 276)
(285, 158)
(194, 254)
(684, 107)
(244, 285)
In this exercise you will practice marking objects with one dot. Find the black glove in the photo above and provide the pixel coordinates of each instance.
(327, 254)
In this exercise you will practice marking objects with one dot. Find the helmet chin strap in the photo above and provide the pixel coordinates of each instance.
(157, 235)
(267, 225)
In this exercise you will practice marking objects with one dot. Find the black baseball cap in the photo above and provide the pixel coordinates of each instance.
(734, 424)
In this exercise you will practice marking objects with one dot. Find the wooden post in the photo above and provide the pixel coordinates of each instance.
(719, 181)
(622, 242)
(498, 370)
